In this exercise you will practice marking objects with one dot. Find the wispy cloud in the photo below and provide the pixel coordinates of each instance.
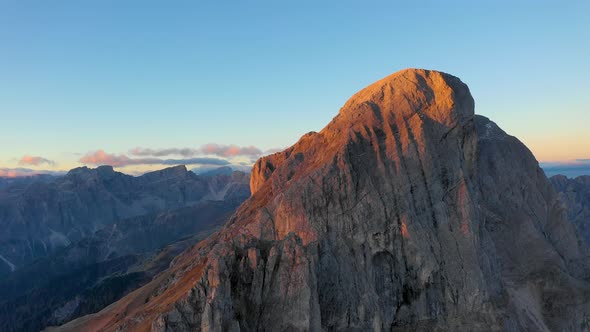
(205, 155)
(195, 161)
(143, 152)
(100, 157)
(273, 150)
(219, 150)
(230, 150)
(34, 161)
(21, 172)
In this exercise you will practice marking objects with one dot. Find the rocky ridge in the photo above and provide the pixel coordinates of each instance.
(406, 212)
(45, 216)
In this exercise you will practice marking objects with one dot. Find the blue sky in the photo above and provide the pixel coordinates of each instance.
(82, 76)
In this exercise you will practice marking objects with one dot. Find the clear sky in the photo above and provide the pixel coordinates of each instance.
(77, 77)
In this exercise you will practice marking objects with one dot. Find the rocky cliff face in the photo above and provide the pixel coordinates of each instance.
(406, 212)
(574, 193)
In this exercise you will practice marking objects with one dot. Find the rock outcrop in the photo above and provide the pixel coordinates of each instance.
(574, 193)
(406, 212)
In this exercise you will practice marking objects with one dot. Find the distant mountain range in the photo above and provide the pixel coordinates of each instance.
(47, 215)
(568, 170)
(17, 184)
(73, 244)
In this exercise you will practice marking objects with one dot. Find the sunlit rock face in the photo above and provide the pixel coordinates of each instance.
(406, 212)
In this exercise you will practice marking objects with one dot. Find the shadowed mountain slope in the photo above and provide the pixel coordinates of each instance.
(177, 210)
(45, 216)
(575, 195)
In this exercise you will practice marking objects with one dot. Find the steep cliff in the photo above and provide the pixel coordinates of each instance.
(574, 193)
(406, 212)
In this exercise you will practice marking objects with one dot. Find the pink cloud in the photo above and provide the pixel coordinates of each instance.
(230, 150)
(226, 151)
(21, 172)
(34, 161)
(185, 152)
(9, 173)
(100, 157)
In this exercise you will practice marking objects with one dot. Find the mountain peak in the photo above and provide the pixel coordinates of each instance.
(433, 94)
(408, 101)
(105, 168)
(174, 171)
(79, 170)
(102, 172)
(395, 216)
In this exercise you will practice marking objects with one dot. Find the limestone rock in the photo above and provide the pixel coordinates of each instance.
(406, 212)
